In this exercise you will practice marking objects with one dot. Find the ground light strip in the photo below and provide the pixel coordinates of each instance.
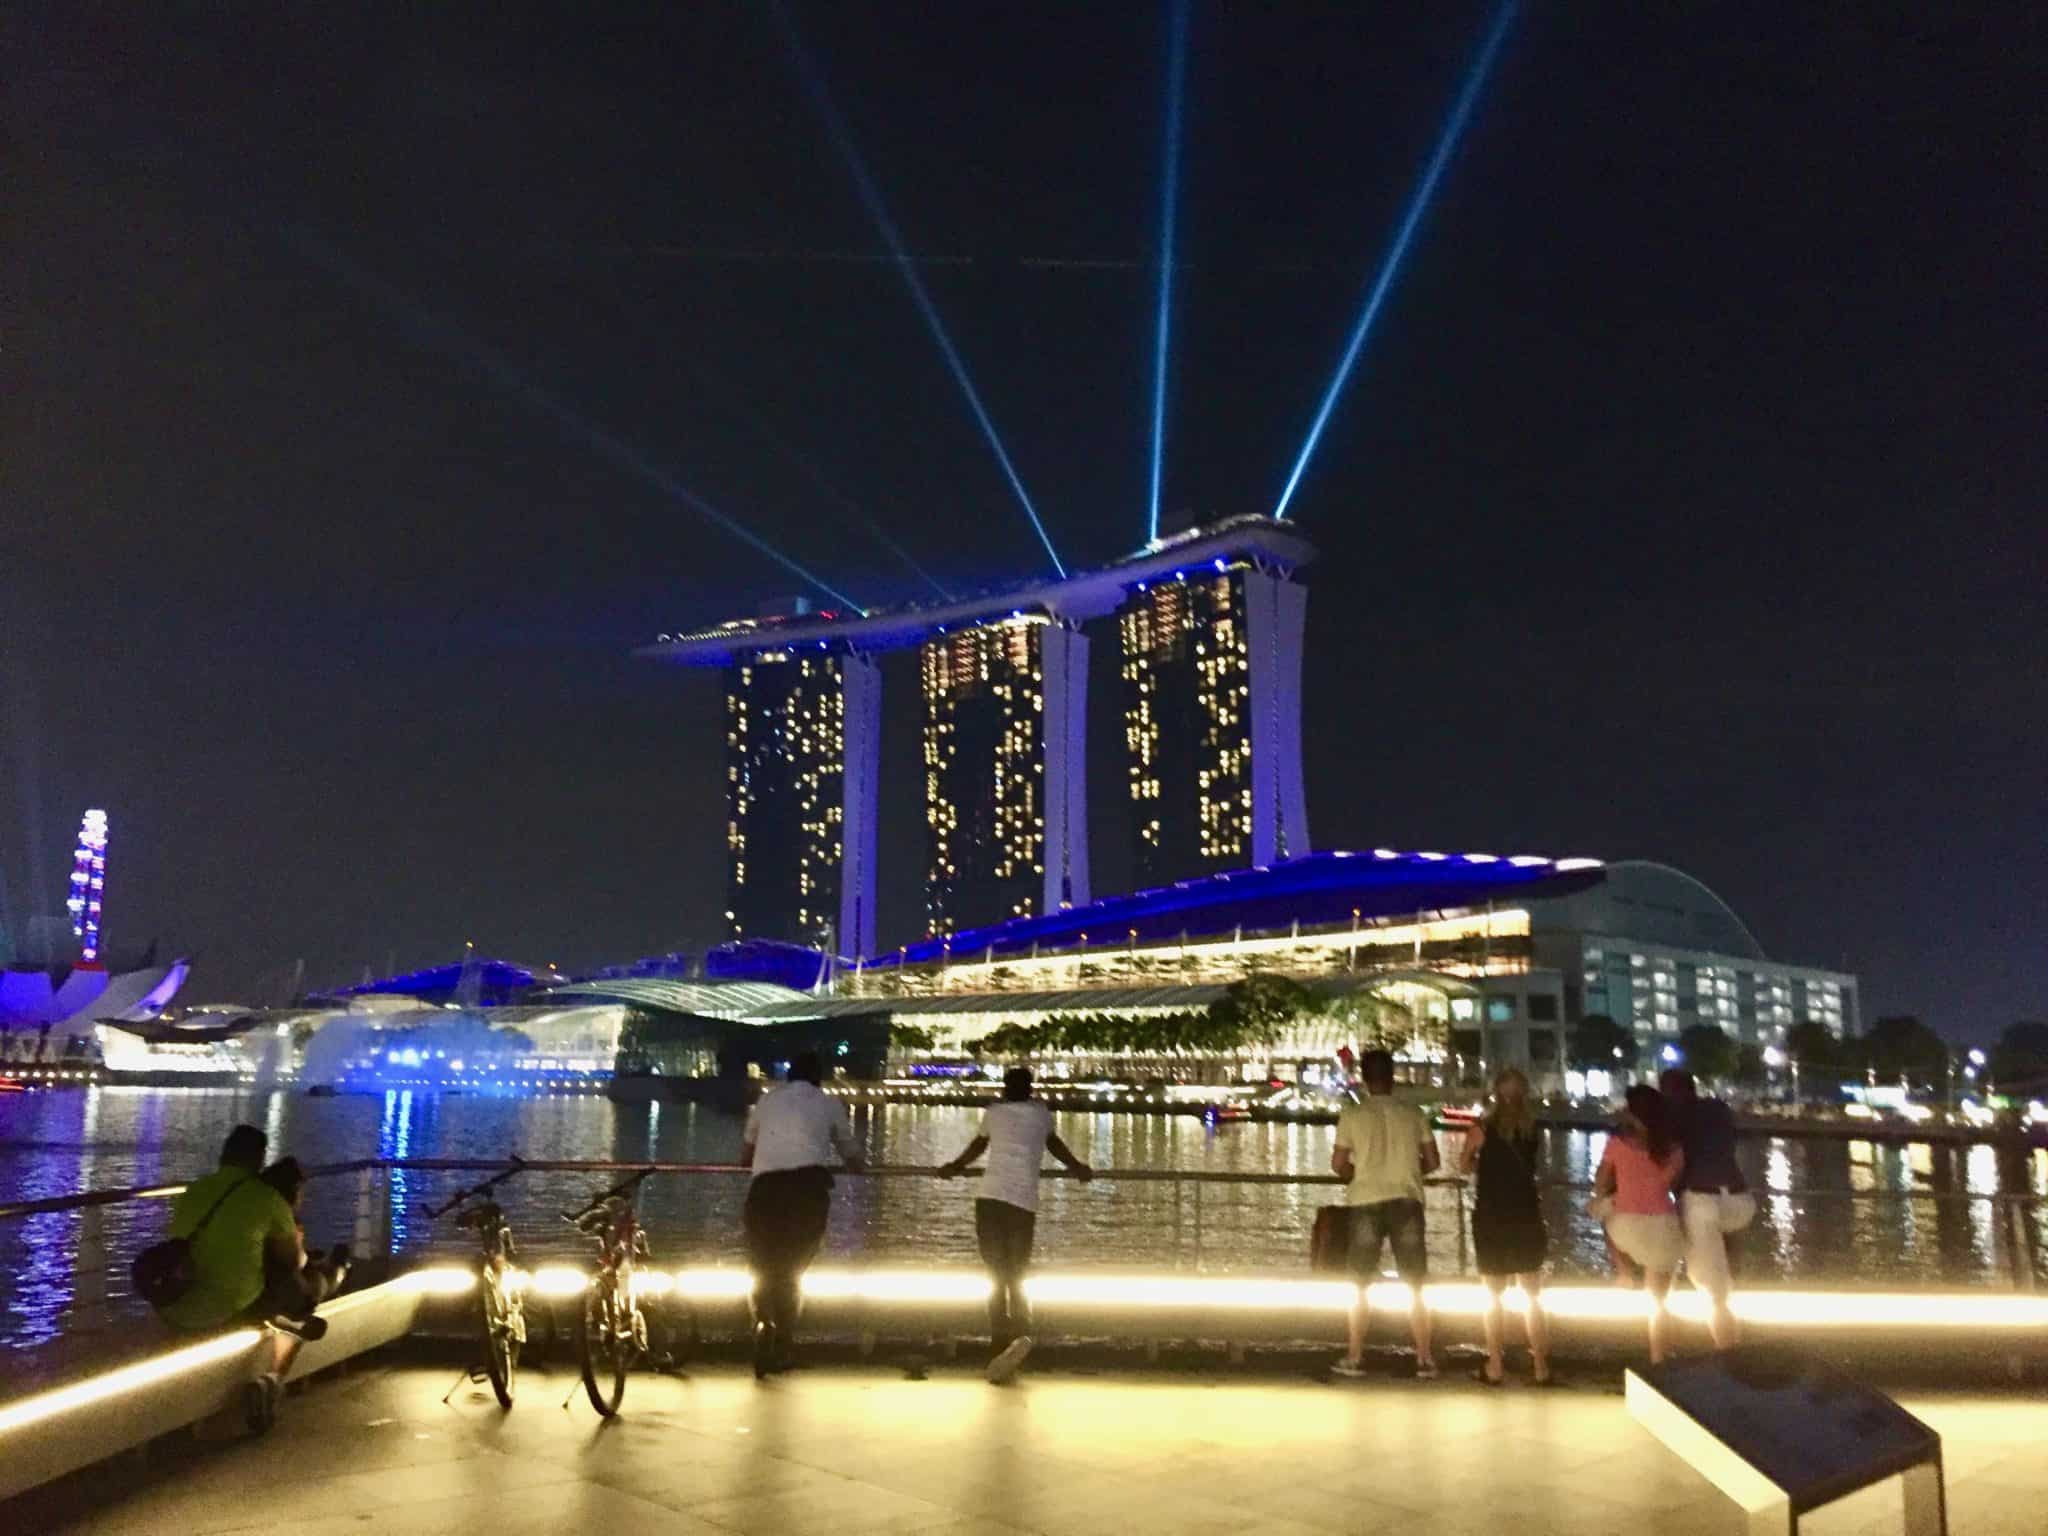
(129, 1378)
(1787, 1308)
(1903, 1311)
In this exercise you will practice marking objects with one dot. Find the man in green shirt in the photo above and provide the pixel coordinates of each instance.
(234, 1221)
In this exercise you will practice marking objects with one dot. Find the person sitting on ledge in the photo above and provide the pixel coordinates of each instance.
(289, 1293)
(237, 1225)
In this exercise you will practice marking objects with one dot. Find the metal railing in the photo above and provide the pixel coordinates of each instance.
(2014, 1239)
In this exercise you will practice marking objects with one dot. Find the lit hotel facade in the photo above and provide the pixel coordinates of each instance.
(1211, 673)
(802, 743)
(1005, 749)
(1211, 620)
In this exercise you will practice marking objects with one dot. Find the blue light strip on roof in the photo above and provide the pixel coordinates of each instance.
(1317, 890)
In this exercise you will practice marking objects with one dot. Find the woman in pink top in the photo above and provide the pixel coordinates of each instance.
(1642, 1162)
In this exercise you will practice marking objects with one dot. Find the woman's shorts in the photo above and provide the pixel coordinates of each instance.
(1655, 1242)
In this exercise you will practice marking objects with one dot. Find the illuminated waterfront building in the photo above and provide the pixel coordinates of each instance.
(1212, 720)
(801, 754)
(1005, 712)
(1502, 955)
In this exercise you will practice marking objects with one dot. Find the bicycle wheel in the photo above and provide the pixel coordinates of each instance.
(501, 1339)
(605, 1349)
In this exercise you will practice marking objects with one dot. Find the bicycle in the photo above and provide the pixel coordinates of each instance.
(503, 1310)
(614, 1331)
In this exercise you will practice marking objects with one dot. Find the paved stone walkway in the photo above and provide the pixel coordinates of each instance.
(843, 1451)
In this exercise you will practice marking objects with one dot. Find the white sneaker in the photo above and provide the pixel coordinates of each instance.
(1006, 1365)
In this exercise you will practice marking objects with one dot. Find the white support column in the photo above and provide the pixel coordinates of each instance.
(1277, 612)
(1064, 662)
(861, 777)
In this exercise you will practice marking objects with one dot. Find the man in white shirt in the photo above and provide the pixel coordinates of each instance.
(1385, 1149)
(790, 1134)
(1016, 1133)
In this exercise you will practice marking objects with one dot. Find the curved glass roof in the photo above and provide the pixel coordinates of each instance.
(739, 1000)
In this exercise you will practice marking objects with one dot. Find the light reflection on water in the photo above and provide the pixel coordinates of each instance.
(62, 1142)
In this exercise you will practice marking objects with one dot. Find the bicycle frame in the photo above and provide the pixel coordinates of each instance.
(504, 1314)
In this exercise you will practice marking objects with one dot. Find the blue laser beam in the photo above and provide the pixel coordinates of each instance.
(449, 339)
(760, 426)
(1169, 202)
(878, 211)
(1454, 128)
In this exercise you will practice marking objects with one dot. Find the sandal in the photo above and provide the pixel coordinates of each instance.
(1479, 1375)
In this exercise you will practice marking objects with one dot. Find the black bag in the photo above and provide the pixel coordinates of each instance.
(1329, 1240)
(164, 1271)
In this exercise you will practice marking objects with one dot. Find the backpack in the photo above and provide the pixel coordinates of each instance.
(164, 1272)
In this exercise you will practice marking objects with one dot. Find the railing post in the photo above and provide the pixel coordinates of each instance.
(1458, 1193)
(2016, 1234)
(366, 1213)
(89, 1268)
(1176, 1221)
(1198, 1226)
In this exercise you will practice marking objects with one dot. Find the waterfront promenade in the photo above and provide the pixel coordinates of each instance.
(844, 1450)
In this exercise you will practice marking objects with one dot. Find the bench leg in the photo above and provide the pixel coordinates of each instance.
(1926, 1504)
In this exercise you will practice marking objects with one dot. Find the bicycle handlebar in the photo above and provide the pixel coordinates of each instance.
(518, 1167)
(624, 1186)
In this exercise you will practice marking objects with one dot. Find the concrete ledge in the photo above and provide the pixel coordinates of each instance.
(98, 1416)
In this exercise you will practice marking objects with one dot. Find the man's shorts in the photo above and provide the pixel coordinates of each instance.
(1398, 1222)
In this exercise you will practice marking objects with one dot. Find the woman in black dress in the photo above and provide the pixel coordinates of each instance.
(1507, 1220)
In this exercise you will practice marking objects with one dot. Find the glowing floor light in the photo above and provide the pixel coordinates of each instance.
(109, 1385)
(1169, 202)
(452, 341)
(1454, 128)
(871, 199)
(1905, 1312)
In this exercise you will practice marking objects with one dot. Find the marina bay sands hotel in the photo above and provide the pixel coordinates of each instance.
(1210, 626)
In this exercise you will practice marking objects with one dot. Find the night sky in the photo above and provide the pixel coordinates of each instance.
(1687, 502)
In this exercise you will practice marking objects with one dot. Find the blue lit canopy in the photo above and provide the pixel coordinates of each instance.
(1316, 891)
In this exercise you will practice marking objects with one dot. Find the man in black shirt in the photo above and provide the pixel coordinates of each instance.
(1713, 1198)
